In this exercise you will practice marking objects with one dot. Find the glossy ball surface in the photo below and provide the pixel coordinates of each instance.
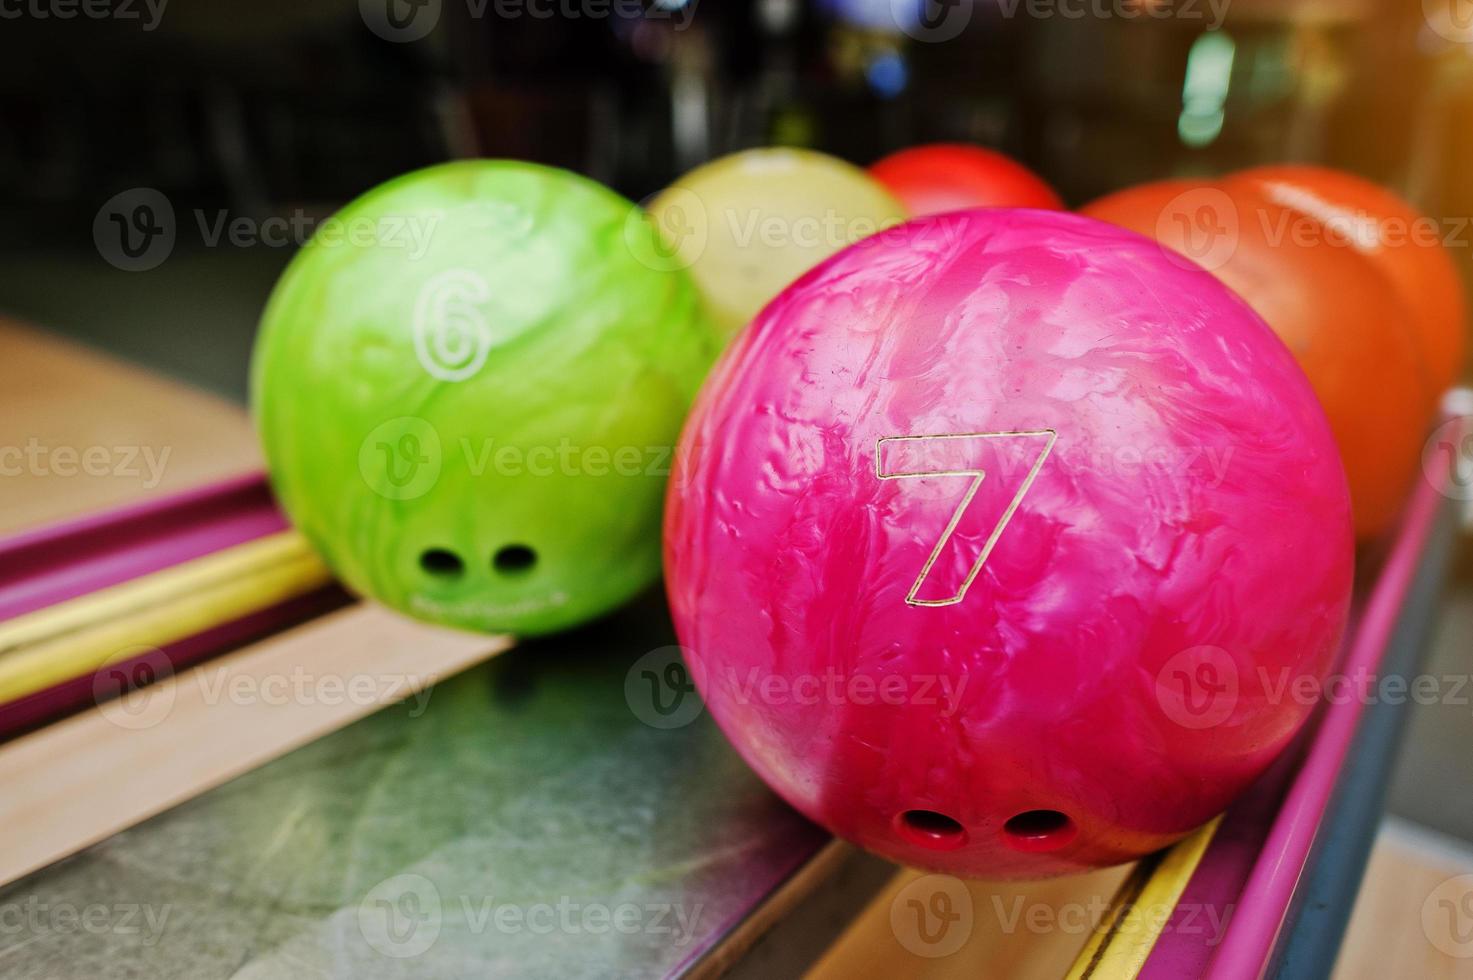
(748, 224)
(1340, 316)
(468, 395)
(992, 537)
(943, 177)
(1406, 245)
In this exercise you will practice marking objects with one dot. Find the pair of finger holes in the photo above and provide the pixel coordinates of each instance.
(1031, 830)
(442, 563)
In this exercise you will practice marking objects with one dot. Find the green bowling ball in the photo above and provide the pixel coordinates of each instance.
(468, 385)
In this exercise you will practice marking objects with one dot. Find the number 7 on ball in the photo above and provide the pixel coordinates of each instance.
(957, 455)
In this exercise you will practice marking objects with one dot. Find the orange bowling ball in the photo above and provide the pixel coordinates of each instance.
(950, 176)
(1333, 307)
(1405, 244)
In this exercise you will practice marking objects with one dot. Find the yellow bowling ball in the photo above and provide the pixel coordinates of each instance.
(750, 223)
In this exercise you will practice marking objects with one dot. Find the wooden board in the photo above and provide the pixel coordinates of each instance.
(1399, 927)
(931, 927)
(81, 780)
(81, 431)
(1414, 914)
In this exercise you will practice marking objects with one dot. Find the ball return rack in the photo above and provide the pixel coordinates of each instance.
(414, 802)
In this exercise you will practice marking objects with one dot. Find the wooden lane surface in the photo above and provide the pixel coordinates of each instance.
(1413, 918)
(146, 435)
(1414, 914)
(935, 927)
(87, 777)
(81, 431)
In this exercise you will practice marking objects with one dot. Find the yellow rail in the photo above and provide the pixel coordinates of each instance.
(74, 638)
(1140, 910)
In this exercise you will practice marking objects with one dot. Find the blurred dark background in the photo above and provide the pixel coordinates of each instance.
(289, 108)
(282, 104)
(278, 105)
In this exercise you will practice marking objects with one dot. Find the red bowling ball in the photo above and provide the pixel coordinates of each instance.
(951, 176)
(997, 538)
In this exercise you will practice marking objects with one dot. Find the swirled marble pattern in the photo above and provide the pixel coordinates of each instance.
(999, 542)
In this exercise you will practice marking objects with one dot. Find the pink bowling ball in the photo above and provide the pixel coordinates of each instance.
(999, 540)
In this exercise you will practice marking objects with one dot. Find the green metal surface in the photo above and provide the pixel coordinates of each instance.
(522, 820)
